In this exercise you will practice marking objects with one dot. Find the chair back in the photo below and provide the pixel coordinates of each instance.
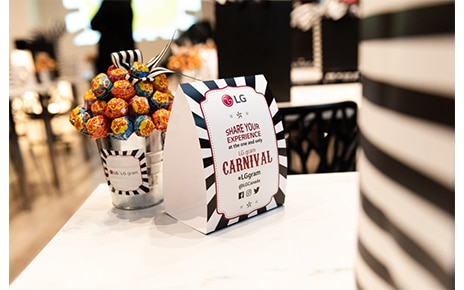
(321, 138)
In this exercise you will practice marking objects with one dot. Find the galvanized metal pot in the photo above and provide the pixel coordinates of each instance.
(133, 169)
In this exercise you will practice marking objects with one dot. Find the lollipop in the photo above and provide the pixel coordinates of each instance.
(98, 127)
(116, 107)
(116, 73)
(143, 126)
(101, 86)
(123, 89)
(171, 101)
(161, 83)
(160, 119)
(159, 100)
(98, 107)
(126, 99)
(122, 128)
(138, 106)
(144, 89)
(89, 98)
(79, 117)
(139, 70)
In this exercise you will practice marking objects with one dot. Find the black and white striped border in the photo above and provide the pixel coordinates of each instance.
(138, 154)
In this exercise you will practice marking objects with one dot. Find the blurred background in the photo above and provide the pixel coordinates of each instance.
(52, 49)
(307, 50)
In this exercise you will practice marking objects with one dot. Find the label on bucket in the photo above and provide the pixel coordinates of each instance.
(125, 171)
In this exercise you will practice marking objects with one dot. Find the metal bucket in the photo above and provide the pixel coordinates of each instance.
(133, 169)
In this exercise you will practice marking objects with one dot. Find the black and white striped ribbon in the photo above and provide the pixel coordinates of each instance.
(126, 59)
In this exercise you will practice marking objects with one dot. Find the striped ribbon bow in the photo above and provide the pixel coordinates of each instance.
(126, 58)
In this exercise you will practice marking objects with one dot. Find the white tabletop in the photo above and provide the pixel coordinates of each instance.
(309, 243)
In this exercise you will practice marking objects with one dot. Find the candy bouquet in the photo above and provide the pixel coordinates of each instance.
(126, 110)
(129, 98)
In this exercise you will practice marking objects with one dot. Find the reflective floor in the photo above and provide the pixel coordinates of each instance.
(39, 210)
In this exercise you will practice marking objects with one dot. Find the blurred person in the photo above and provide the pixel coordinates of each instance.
(114, 22)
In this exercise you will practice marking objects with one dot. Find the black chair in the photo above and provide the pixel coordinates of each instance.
(36, 106)
(321, 138)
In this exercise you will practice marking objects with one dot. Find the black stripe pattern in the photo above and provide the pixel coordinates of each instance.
(422, 189)
(425, 187)
(126, 59)
(426, 106)
(436, 19)
(410, 247)
(144, 186)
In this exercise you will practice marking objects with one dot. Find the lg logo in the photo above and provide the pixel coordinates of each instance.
(228, 101)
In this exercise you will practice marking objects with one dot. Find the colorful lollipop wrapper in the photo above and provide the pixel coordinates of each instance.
(138, 106)
(143, 126)
(116, 107)
(122, 128)
(89, 98)
(123, 89)
(116, 73)
(98, 127)
(78, 117)
(144, 89)
(161, 83)
(101, 86)
(161, 118)
(159, 100)
(139, 70)
(98, 107)
(171, 101)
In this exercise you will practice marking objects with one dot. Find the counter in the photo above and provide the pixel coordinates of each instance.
(309, 243)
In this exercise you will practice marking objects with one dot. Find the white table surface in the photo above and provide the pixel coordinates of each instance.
(309, 243)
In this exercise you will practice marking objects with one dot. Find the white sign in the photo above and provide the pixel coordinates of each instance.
(225, 153)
